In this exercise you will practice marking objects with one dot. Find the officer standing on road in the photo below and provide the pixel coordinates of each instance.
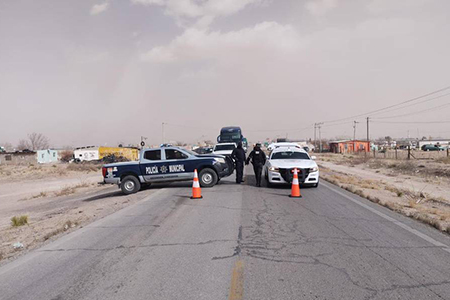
(238, 155)
(258, 158)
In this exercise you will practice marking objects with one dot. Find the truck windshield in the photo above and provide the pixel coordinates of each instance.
(290, 155)
(235, 136)
(224, 147)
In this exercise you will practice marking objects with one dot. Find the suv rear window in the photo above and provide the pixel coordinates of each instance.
(153, 155)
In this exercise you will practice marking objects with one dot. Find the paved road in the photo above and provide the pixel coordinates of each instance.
(239, 242)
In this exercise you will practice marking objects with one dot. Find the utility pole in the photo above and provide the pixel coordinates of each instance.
(162, 132)
(354, 130)
(315, 141)
(319, 125)
(368, 137)
(354, 135)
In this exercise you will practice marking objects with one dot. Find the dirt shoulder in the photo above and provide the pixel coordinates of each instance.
(409, 187)
(54, 200)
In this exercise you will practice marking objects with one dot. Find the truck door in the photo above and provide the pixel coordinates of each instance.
(178, 165)
(152, 166)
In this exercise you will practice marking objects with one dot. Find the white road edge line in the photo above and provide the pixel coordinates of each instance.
(396, 222)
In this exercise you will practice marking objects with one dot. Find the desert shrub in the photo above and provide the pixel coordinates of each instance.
(68, 190)
(66, 155)
(19, 221)
(40, 195)
(406, 166)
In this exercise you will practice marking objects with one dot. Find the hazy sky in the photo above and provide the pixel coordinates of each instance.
(101, 72)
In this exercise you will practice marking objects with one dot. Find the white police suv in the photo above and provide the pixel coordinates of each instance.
(279, 167)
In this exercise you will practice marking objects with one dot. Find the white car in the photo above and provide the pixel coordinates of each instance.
(280, 165)
(273, 146)
(224, 148)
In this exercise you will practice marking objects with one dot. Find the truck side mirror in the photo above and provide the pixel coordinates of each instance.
(313, 157)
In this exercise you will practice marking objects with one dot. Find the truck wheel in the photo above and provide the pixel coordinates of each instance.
(207, 178)
(130, 185)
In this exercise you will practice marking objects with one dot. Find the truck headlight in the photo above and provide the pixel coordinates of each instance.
(274, 169)
(220, 160)
(314, 169)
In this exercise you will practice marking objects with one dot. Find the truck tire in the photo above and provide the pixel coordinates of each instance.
(130, 185)
(208, 178)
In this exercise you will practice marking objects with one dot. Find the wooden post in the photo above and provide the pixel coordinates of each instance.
(396, 152)
(374, 153)
(409, 152)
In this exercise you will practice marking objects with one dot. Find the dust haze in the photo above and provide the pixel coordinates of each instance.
(108, 72)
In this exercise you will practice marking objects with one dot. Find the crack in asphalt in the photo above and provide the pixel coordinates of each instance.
(137, 246)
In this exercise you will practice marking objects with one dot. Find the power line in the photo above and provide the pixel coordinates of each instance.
(420, 102)
(426, 122)
(392, 106)
(415, 113)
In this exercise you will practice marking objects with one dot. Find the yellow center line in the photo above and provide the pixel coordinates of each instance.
(237, 281)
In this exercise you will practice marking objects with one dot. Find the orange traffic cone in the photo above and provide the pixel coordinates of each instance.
(196, 190)
(295, 190)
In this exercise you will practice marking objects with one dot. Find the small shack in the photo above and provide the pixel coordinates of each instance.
(349, 146)
(47, 156)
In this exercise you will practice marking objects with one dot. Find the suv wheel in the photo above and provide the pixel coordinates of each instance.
(130, 185)
(207, 178)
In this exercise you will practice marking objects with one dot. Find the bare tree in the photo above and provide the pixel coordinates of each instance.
(38, 141)
(23, 144)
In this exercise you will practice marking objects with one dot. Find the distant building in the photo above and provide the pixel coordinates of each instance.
(17, 158)
(47, 156)
(86, 153)
(349, 146)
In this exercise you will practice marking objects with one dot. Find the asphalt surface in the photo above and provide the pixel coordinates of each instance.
(239, 242)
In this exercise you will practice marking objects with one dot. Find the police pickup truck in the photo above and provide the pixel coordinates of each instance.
(167, 164)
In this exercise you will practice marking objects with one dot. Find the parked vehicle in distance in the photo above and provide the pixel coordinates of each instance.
(224, 148)
(432, 148)
(282, 161)
(167, 164)
(203, 150)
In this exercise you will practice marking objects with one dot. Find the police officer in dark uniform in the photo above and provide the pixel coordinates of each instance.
(238, 155)
(258, 158)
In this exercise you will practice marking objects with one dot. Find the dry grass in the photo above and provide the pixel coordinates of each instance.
(84, 167)
(40, 195)
(68, 190)
(19, 221)
(66, 226)
(444, 160)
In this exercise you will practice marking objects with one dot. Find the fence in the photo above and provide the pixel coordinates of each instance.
(405, 154)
